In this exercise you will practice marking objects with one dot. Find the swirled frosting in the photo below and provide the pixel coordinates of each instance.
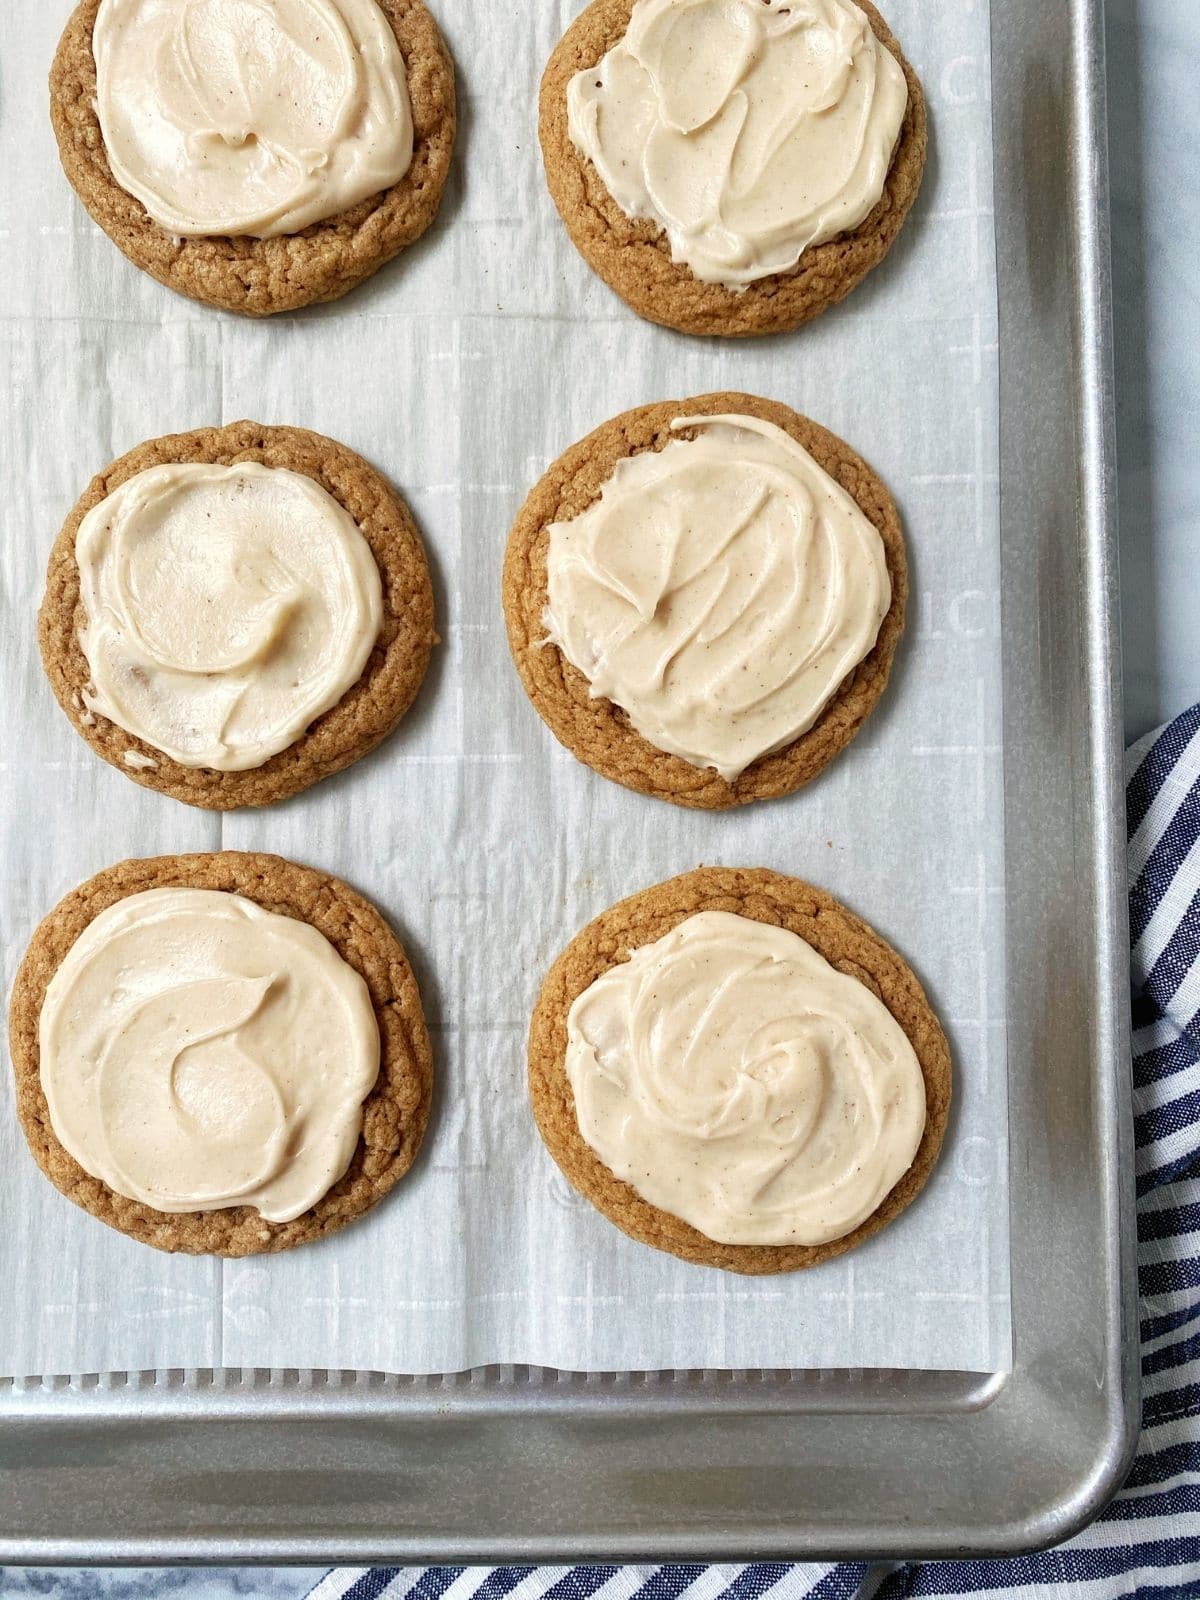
(720, 590)
(198, 1051)
(227, 608)
(250, 117)
(747, 131)
(738, 1081)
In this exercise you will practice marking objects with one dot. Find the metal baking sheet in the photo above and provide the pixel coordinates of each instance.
(525, 1463)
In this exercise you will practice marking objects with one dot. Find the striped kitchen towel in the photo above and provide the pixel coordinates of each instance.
(1147, 1544)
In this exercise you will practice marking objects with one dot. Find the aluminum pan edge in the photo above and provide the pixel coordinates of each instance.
(383, 1481)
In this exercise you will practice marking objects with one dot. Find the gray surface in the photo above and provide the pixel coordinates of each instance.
(1154, 67)
(1160, 637)
(179, 1583)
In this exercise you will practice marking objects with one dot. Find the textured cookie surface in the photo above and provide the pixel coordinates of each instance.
(599, 732)
(369, 709)
(634, 257)
(845, 941)
(260, 276)
(394, 1114)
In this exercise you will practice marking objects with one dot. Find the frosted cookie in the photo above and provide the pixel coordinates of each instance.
(731, 166)
(734, 1068)
(234, 613)
(221, 1054)
(704, 598)
(256, 158)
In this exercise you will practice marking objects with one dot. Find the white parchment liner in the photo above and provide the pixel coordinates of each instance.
(461, 371)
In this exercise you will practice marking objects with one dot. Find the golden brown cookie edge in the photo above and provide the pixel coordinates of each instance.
(369, 710)
(260, 277)
(846, 941)
(395, 1113)
(596, 731)
(634, 257)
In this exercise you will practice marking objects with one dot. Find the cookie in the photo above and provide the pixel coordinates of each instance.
(599, 732)
(633, 256)
(259, 277)
(395, 1112)
(369, 709)
(845, 941)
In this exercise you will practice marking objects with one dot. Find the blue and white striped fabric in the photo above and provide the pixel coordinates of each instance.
(1148, 1542)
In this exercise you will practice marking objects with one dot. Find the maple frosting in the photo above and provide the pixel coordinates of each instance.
(226, 609)
(198, 1051)
(748, 132)
(719, 590)
(254, 117)
(739, 1082)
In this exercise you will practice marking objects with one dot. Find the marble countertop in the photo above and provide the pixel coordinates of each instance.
(161, 1583)
(1154, 66)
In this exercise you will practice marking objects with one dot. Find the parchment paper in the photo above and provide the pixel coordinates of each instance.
(461, 371)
